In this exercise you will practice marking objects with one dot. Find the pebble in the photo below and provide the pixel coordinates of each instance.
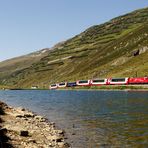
(24, 133)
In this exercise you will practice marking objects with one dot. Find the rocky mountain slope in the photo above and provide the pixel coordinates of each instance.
(117, 48)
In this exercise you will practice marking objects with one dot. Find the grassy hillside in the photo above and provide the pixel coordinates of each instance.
(17, 64)
(117, 48)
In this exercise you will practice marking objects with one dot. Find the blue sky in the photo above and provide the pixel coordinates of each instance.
(30, 25)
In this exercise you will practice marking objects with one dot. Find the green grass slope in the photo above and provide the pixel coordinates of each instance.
(117, 48)
(19, 63)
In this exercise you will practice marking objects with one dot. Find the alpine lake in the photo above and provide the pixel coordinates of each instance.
(90, 118)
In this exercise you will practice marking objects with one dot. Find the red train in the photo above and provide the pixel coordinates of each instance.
(142, 80)
(98, 82)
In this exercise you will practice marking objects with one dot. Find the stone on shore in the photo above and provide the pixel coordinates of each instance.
(24, 133)
(3, 131)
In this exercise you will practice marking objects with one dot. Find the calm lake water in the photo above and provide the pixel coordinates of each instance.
(91, 119)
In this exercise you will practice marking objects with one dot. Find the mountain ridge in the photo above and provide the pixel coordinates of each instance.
(96, 52)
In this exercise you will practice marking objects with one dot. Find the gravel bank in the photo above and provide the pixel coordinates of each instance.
(24, 129)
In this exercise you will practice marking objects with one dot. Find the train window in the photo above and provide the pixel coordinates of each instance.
(61, 84)
(100, 80)
(53, 85)
(71, 83)
(83, 81)
(118, 80)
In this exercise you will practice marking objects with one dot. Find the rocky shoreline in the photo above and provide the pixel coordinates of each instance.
(22, 128)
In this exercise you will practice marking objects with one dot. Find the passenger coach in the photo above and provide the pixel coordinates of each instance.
(53, 86)
(62, 84)
(118, 81)
(71, 84)
(83, 82)
(97, 82)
